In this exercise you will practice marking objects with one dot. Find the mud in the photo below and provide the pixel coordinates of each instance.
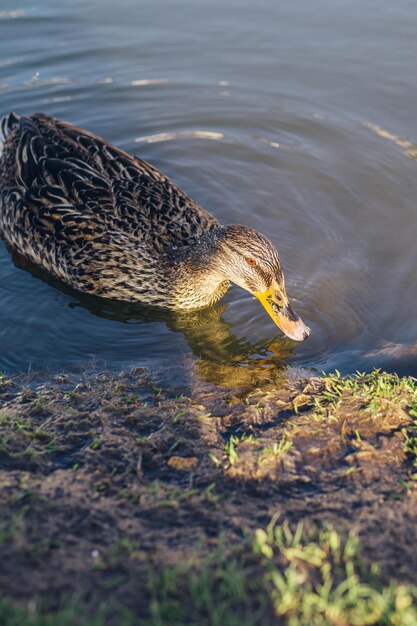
(103, 476)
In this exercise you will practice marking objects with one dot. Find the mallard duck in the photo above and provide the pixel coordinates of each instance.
(110, 224)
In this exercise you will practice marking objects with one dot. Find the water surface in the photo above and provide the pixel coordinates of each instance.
(296, 118)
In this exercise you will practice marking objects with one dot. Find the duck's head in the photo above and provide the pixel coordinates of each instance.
(248, 259)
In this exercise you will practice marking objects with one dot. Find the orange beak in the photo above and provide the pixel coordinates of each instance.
(276, 303)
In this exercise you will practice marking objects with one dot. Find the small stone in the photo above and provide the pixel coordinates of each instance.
(182, 463)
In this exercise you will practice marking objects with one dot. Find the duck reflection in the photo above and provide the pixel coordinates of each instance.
(220, 358)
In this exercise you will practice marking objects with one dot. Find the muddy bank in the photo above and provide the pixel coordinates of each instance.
(107, 481)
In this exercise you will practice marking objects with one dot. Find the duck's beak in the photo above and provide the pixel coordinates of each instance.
(275, 301)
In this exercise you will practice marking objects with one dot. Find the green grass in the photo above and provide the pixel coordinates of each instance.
(41, 441)
(284, 575)
(369, 386)
(70, 615)
(275, 451)
(291, 577)
(319, 579)
(376, 391)
(230, 447)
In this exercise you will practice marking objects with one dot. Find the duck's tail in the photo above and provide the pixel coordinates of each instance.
(7, 123)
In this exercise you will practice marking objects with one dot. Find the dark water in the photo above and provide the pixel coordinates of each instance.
(268, 113)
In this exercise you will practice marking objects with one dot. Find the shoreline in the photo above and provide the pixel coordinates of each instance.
(112, 483)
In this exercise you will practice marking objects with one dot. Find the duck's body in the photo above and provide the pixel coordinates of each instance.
(96, 217)
(110, 224)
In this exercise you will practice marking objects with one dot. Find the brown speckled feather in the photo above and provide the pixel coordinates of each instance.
(98, 218)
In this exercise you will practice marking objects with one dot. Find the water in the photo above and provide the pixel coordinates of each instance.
(267, 113)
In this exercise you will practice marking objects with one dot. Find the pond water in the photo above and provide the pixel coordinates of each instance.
(297, 118)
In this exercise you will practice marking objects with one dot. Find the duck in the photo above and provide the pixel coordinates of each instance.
(108, 223)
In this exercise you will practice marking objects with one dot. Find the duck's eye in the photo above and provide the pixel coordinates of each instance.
(251, 261)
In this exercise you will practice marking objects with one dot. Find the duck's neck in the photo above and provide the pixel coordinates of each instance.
(196, 274)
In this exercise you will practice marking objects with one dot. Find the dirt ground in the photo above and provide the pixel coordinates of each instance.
(104, 477)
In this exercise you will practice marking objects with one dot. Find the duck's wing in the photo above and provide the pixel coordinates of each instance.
(99, 182)
(42, 225)
(40, 215)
